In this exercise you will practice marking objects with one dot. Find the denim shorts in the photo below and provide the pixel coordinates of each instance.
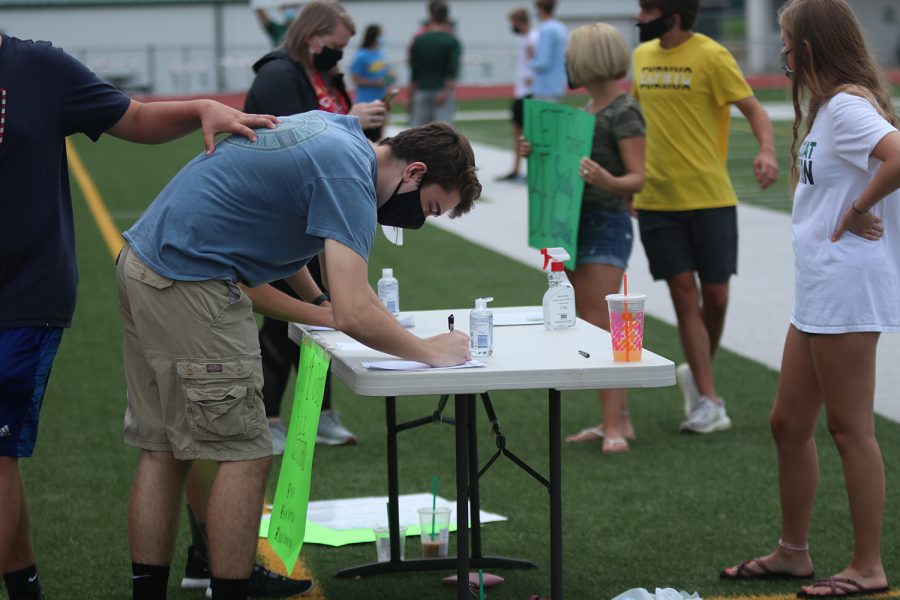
(605, 237)
(26, 355)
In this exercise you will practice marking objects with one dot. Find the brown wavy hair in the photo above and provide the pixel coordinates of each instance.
(448, 155)
(830, 56)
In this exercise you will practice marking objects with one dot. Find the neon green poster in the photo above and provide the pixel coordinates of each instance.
(559, 136)
(288, 522)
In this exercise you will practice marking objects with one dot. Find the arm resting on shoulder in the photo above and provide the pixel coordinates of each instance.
(358, 313)
(158, 122)
(765, 165)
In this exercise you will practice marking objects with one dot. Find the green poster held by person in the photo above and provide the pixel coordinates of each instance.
(559, 136)
(288, 520)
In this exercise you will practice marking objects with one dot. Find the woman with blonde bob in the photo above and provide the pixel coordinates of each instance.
(597, 58)
(846, 232)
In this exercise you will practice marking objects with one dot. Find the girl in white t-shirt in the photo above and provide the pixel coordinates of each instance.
(846, 234)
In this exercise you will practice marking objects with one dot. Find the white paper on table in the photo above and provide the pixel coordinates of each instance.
(367, 513)
(352, 347)
(519, 317)
(405, 320)
(412, 365)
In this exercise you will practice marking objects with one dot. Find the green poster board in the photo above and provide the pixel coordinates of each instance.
(288, 521)
(559, 136)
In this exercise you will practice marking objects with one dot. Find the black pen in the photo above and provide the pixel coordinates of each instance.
(584, 354)
(450, 322)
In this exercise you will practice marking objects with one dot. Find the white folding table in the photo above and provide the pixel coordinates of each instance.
(525, 357)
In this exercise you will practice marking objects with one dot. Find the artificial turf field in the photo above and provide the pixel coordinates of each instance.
(670, 513)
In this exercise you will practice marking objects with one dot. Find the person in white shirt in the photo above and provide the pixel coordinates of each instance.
(527, 42)
(846, 235)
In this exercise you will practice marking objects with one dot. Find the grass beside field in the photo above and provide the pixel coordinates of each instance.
(671, 513)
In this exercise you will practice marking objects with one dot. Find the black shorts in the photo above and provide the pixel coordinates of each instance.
(518, 111)
(702, 240)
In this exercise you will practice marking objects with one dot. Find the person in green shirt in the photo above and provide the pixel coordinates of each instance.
(434, 62)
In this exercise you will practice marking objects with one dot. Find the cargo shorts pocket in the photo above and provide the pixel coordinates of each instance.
(137, 270)
(220, 399)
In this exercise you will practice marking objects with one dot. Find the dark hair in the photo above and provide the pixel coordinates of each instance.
(686, 9)
(370, 37)
(548, 6)
(439, 11)
(448, 156)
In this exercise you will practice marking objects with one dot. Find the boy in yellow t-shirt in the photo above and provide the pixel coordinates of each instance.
(686, 84)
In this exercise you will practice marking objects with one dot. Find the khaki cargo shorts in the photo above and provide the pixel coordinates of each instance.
(192, 366)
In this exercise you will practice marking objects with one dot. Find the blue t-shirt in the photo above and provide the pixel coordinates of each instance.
(370, 64)
(256, 212)
(549, 63)
(45, 95)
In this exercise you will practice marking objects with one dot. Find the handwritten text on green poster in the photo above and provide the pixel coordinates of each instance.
(559, 136)
(288, 524)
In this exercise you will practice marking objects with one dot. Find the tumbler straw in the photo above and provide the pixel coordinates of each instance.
(480, 584)
(625, 316)
(434, 481)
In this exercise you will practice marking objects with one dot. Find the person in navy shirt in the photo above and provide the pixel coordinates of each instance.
(46, 95)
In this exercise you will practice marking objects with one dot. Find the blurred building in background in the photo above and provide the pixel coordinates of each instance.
(203, 46)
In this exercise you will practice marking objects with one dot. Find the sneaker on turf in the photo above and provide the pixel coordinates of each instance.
(709, 416)
(266, 584)
(279, 436)
(196, 571)
(685, 380)
(331, 431)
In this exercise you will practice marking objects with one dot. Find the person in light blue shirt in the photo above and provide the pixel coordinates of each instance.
(549, 63)
(196, 266)
(370, 70)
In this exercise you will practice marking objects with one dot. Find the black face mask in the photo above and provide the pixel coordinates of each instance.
(327, 58)
(655, 28)
(516, 30)
(572, 85)
(403, 210)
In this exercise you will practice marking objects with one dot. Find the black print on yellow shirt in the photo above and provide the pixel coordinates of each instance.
(806, 166)
(666, 78)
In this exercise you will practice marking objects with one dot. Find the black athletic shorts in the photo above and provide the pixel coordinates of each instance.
(518, 111)
(702, 240)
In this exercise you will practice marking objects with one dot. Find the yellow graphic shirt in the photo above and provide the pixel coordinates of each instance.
(686, 94)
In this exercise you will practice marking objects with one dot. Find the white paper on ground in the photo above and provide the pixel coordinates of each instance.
(412, 365)
(367, 513)
(518, 317)
(405, 320)
(661, 594)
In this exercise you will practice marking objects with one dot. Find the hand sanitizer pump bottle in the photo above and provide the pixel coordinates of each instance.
(481, 329)
(559, 299)
(389, 291)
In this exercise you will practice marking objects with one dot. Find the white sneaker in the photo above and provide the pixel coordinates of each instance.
(331, 431)
(707, 417)
(685, 380)
(279, 436)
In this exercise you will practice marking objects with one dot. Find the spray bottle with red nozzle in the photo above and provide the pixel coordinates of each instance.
(559, 299)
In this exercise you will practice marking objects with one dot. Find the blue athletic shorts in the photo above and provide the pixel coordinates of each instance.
(605, 237)
(26, 355)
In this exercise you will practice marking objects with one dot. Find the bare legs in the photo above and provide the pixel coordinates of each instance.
(700, 325)
(16, 552)
(232, 514)
(592, 283)
(837, 371)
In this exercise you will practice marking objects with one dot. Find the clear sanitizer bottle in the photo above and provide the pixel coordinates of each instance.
(559, 299)
(389, 291)
(481, 329)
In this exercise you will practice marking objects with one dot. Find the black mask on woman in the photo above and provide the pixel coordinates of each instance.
(403, 210)
(572, 85)
(327, 59)
(655, 28)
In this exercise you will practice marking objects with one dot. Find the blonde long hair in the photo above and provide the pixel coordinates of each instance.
(830, 56)
(318, 17)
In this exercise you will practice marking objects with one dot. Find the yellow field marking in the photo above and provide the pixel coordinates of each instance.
(105, 224)
(113, 238)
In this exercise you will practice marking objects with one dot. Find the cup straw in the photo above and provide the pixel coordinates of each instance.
(480, 584)
(434, 481)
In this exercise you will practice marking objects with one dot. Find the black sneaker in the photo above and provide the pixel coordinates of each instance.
(196, 571)
(266, 584)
